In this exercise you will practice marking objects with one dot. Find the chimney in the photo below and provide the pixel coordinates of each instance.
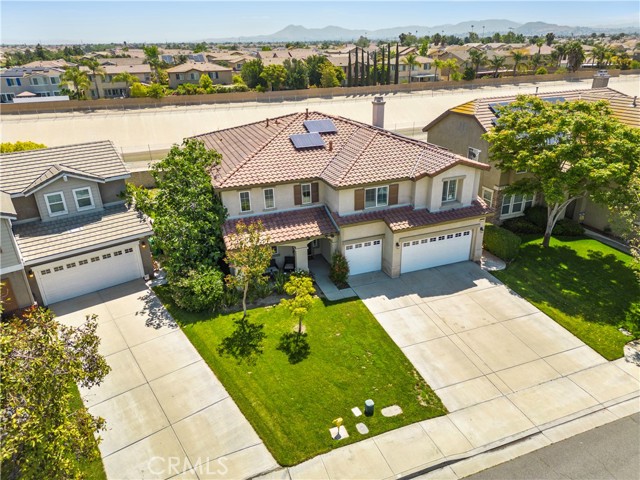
(378, 112)
(600, 79)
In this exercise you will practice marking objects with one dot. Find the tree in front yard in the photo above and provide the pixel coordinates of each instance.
(249, 255)
(43, 435)
(300, 287)
(570, 150)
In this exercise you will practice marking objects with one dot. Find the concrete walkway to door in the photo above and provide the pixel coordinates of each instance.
(166, 412)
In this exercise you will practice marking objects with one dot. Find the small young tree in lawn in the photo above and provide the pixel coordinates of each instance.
(249, 255)
(42, 434)
(300, 287)
(570, 150)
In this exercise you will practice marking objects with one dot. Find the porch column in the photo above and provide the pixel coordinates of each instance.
(302, 261)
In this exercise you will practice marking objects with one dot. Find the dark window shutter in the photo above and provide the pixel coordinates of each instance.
(315, 195)
(297, 195)
(358, 199)
(393, 194)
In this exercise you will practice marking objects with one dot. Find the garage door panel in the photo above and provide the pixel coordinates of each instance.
(89, 272)
(436, 250)
(364, 257)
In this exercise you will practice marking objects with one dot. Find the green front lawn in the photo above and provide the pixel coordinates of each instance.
(584, 285)
(91, 469)
(292, 406)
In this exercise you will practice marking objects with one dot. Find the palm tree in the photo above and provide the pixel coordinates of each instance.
(97, 70)
(497, 63)
(539, 44)
(79, 80)
(477, 58)
(536, 61)
(439, 64)
(411, 61)
(152, 57)
(575, 55)
(127, 78)
(452, 66)
(518, 58)
(562, 52)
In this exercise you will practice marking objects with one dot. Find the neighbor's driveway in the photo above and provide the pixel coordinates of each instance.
(500, 365)
(166, 411)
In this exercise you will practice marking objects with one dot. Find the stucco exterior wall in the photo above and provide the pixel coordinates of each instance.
(467, 192)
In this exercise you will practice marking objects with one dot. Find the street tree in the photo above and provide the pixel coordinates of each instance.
(571, 150)
(249, 254)
(43, 435)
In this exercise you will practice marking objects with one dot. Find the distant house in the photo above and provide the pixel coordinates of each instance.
(233, 60)
(191, 73)
(107, 88)
(65, 229)
(39, 81)
(460, 130)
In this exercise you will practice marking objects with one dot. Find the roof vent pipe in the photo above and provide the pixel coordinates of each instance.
(306, 114)
(635, 101)
(378, 112)
(331, 145)
(267, 122)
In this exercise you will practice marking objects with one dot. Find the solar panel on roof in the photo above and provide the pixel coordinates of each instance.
(307, 140)
(320, 126)
(494, 106)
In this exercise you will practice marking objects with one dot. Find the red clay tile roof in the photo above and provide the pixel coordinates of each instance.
(406, 218)
(358, 154)
(287, 226)
(621, 105)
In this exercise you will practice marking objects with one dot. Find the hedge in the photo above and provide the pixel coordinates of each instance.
(501, 242)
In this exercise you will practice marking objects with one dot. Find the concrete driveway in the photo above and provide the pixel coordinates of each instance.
(166, 412)
(500, 365)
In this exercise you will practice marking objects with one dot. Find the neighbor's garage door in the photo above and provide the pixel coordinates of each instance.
(435, 251)
(89, 272)
(364, 257)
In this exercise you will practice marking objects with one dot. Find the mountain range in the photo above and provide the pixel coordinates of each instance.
(298, 33)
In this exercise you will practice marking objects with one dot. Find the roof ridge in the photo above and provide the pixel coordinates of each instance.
(245, 125)
(258, 150)
(59, 147)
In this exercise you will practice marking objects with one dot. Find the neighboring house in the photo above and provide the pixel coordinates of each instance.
(39, 81)
(59, 63)
(322, 183)
(107, 88)
(234, 61)
(71, 231)
(191, 73)
(460, 130)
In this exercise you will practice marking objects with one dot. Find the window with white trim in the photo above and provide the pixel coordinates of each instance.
(487, 196)
(376, 197)
(305, 189)
(269, 198)
(83, 198)
(515, 204)
(245, 201)
(55, 203)
(450, 190)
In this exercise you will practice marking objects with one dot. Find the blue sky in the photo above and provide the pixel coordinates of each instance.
(159, 21)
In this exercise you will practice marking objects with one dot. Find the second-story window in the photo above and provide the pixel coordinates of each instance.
(450, 190)
(269, 198)
(306, 193)
(55, 80)
(55, 203)
(245, 201)
(83, 198)
(376, 197)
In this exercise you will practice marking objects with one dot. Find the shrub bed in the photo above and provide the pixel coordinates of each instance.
(501, 242)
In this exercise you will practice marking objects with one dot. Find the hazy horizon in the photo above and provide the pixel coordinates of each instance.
(50, 22)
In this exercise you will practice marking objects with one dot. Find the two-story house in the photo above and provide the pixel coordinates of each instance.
(38, 81)
(322, 183)
(460, 130)
(191, 73)
(106, 86)
(66, 228)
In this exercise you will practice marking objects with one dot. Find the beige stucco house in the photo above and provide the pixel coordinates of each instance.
(35, 81)
(322, 183)
(191, 73)
(460, 130)
(106, 87)
(65, 229)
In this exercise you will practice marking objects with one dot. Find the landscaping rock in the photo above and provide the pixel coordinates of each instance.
(632, 352)
(338, 434)
(356, 411)
(391, 411)
(362, 428)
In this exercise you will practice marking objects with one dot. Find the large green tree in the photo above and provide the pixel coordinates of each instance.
(251, 73)
(97, 70)
(575, 55)
(570, 150)
(477, 59)
(187, 214)
(518, 58)
(43, 435)
(8, 147)
(297, 74)
(274, 75)
(128, 80)
(314, 64)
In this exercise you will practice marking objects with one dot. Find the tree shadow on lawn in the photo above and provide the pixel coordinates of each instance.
(245, 343)
(295, 346)
(600, 288)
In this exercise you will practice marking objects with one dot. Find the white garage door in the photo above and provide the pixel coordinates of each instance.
(89, 272)
(435, 251)
(364, 257)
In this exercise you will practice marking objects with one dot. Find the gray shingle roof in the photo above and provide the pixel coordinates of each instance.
(40, 240)
(98, 159)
